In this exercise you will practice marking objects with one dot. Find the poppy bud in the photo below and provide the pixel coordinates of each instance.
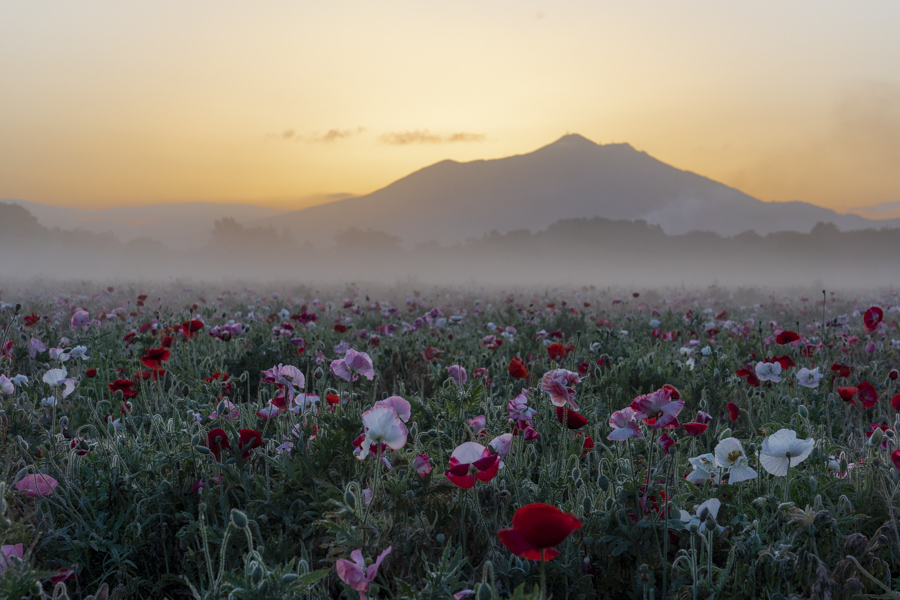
(202, 449)
(256, 573)
(588, 505)
(711, 522)
(222, 408)
(410, 494)
(484, 592)
(239, 518)
(319, 373)
(726, 433)
(289, 578)
(185, 390)
(120, 395)
(439, 538)
(196, 439)
(803, 411)
(350, 499)
(703, 514)
(603, 482)
(877, 438)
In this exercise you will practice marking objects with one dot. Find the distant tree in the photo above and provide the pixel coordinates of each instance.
(371, 239)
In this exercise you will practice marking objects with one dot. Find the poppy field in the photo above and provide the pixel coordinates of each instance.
(160, 441)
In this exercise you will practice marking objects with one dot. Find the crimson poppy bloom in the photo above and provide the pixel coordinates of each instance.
(894, 374)
(872, 318)
(430, 353)
(895, 402)
(167, 341)
(90, 373)
(32, 320)
(573, 420)
(786, 337)
(666, 442)
(784, 360)
(695, 429)
(748, 373)
(340, 328)
(895, 458)
(516, 369)
(61, 575)
(155, 357)
(333, 399)
(536, 529)
(248, 440)
(125, 386)
(587, 445)
(216, 441)
(556, 352)
(847, 394)
(190, 328)
(867, 394)
(733, 411)
(841, 370)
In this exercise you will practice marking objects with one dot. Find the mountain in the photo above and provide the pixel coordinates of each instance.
(573, 177)
(179, 226)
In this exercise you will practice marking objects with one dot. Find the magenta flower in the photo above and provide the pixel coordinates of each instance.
(81, 318)
(558, 384)
(353, 365)
(519, 412)
(8, 551)
(287, 378)
(35, 486)
(477, 424)
(355, 573)
(624, 425)
(457, 374)
(659, 406)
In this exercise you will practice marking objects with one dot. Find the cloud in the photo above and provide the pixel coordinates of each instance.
(402, 138)
(290, 135)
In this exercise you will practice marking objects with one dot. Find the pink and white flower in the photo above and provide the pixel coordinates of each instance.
(558, 383)
(353, 365)
(355, 573)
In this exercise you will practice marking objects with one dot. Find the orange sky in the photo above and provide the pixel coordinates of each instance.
(109, 103)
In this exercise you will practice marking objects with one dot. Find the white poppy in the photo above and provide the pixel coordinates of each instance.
(808, 378)
(769, 371)
(710, 508)
(730, 455)
(781, 449)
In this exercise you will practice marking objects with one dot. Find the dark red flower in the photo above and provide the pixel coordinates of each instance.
(749, 374)
(431, 353)
(125, 386)
(674, 394)
(785, 361)
(155, 374)
(155, 357)
(62, 575)
(665, 441)
(733, 411)
(31, 320)
(895, 458)
(573, 419)
(894, 374)
(128, 338)
(587, 445)
(90, 373)
(516, 369)
(340, 328)
(556, 352)
(374, 341)
(333, 399)
(190, 328)
(786, 337)
(536, 529)
(841, 370)
(847, 394)
(248, 440)
(867, 394)
(872, 318)
(695, 428)
(895, 402)
(216, 441)
(167, 341)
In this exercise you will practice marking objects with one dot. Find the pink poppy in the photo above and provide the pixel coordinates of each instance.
(35, 486)
(457, 374)
(502, 444)
(355, 573)
(477, 424)
(558, 384)
(471, 461)
(665, 441)
(353, 365)
(400, 405)
(624, 425)
(658, 405)
(422, 465)
(8, 551)
(519, 412)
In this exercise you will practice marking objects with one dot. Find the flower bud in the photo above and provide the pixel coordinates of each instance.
(439, 538)
(877, 438)
(239, 518)
(803, 411)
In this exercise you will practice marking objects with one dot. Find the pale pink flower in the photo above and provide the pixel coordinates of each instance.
(558, 384)
(658, 405)
(502, 444)
(286, 377)
(35, 346)
(8, 551)
(383, 426)
(477, 424)
(57, 378)
(624, 425)
(81, 318)
(35, 486)
(355, 573)
(353, 365)
(457, 374)
(6, 385)
(400, 405)
(422, 465)
(519, 411)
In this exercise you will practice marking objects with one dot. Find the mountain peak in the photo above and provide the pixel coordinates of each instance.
(573, 139)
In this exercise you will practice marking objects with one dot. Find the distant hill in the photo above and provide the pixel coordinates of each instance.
(571, 178)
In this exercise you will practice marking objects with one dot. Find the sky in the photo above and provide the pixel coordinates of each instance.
(288, 103)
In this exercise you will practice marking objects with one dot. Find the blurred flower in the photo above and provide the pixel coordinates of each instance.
(35, 486)
(81, 318)
(624, 425)
(516, 369)
(422, 465)
(355, 573)
(8, 551)
(558, 384)
(808, 378)
(352, 366)
(872, 318)
(457, 374)
(6, 385)
(57, 378)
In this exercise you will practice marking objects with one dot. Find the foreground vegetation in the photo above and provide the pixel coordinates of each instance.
(223, 443)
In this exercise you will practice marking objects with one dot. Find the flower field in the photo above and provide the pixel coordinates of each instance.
(373, 442)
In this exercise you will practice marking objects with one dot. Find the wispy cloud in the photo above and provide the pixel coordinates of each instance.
(402, 138)
(291, 135)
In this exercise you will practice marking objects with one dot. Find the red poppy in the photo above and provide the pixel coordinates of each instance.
(556, 352)
(471, 461)
(536, 529)
(90, 373)
(374, 341)
(749, 374)
(786, 337)
(248, 440)
(867, 394)
(167, 341)
(895, 402)
(128, 338)
(333, 399)
(872, 318)
(733, 411)
(895, 458)
(340, 328)
(125, 386)
(216, 441)
(431, 353)
(785, 361)
(841, 370)
(61, 575)
(155, 374)
(155, 357)
(517, 369)
(190, 328)
(666, 442)
(894, 374)
(572, 418)
(31, 320)
(587, 445)
(847, 394)
(695, 428)
(674, 394)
